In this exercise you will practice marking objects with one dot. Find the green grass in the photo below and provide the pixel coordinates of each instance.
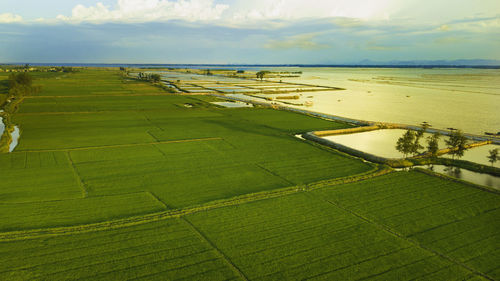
(23, 216)
(109, 145)
(90, 82)
(454, 219)
(301, 237)
(34, 177)
(97, 149)
(164, 250)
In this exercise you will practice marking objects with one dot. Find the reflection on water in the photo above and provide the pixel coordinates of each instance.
(2, 126)
(478, 154)
(462, 98)
(233, 104)
(467, 99)
(379, 142)
(383, 143)
(15, 138)
(474, 177)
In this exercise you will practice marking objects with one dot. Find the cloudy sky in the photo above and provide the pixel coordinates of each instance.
(247, 31)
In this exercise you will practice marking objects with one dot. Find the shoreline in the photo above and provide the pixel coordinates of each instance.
(475, 137)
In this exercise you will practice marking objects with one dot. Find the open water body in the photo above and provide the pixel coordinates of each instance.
(383, 143)
(15, 138)
(470, 176)
(2, 126)
(466, 99)
(233, 104)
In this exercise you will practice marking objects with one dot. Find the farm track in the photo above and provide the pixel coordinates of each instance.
(118, 145)
(152, 217)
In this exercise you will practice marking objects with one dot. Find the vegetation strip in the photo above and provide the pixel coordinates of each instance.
(85, 192)
(119, 145)
(412, 241)
(212, 245)
(96, 96)
(130, 221)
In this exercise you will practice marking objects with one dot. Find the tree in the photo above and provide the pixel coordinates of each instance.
(20, 79)
(21, 84)
(420, 133)
(493, 157)
(260, 75)
(155, 78)
(457, 144)
(405, 143)
(433, 144)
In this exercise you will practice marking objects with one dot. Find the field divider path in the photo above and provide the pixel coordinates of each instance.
(167, 207)
(177, 213)
(205, 239)
(117, 145)
(273, 173)
(85, 192)
(401, 236)
(103, 95)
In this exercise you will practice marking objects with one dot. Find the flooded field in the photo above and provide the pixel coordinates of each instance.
(379, 142)
(478, 154)
(233, 104)
(2, 126)
(383, 143)
(466, 99)
(466, 175)
(15, 138)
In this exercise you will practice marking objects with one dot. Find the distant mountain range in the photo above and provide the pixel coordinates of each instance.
(462, 62)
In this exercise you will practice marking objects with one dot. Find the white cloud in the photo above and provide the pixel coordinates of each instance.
(10, 18)
(296, 9)
(148, 10)
(301, 41)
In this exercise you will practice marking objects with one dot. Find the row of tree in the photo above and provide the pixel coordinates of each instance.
(153, 77)
(409, 144)
(21, 84)
(260, 75)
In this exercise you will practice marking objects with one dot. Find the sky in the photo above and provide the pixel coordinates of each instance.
(247, 32)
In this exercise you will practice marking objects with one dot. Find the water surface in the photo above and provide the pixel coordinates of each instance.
(470, 176)
(233, 104)
(378, 142)
(383, 143)
(466, 99)
(15, 138)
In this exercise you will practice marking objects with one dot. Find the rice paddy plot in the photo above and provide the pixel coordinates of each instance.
(100, 103)
(90, 82)
(172, 178)
(165, 250)
(30, 177)
(286, 121)
(299, 237)
(66, 131)
(454, 219)
(78, 211)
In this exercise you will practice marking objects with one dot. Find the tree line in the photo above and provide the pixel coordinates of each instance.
(21, 84)
(153, 77)
(409, 144)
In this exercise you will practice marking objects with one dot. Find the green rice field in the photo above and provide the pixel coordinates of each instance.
(115, 179)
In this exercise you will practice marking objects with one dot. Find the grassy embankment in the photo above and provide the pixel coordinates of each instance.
(170, 192)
